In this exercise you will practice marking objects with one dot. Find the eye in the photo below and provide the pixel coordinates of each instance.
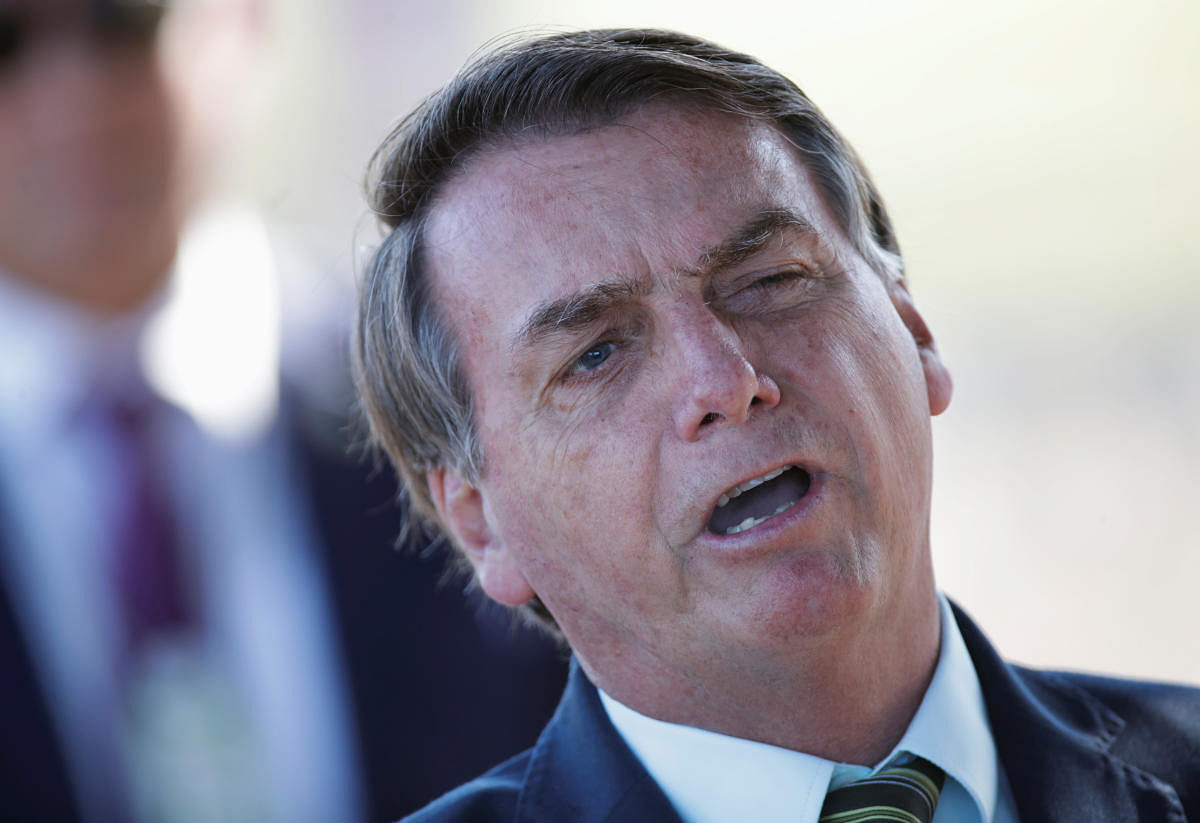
(594, 357)
(772, 291)
(778, 278)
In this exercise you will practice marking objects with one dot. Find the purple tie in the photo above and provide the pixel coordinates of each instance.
(153, 598)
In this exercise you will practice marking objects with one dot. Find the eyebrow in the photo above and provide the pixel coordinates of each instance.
(750, 239)
(589, 304)
(579, 310)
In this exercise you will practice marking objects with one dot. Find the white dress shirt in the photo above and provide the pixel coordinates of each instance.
(714, 778)
(252, 721)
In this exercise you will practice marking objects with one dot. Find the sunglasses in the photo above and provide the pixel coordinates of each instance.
(110, 23)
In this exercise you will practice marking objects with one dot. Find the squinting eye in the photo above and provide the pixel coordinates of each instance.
(778, 278)
(594, 356)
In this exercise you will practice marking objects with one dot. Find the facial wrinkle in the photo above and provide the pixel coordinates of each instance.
(748, 240)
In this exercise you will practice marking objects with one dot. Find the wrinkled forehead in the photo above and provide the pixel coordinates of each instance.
(643, 196)
(645, 153)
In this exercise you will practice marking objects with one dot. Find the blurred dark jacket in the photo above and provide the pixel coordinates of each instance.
(441, 687)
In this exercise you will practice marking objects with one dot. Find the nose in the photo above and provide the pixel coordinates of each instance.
(720, 384)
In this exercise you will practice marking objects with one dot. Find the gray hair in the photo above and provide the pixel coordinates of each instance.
(407, 362)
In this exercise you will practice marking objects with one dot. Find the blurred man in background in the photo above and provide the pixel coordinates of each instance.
(199, 615)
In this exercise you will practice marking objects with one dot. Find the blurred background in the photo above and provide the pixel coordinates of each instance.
(203, 614)
(1041, 164)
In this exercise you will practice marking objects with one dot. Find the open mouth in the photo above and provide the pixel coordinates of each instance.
(759, 499)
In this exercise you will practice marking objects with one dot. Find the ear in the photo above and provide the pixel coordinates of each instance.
(464, 511)
(938, 383)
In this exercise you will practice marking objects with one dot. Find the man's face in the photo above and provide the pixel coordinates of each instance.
(87, 142)
(652, 316)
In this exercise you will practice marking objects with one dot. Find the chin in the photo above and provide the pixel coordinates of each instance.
(808, 597)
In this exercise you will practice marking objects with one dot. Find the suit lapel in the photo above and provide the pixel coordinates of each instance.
(1054, 741)
(582, 771)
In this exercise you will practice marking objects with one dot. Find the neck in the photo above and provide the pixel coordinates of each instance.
(103, 274)
(848, 699)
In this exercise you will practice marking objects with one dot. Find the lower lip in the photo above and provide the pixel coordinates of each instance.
(754, 537)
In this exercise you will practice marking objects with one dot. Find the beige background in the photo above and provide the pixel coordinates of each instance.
(1041, 163)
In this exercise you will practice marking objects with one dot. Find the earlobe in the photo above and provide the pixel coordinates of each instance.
(464, 512)
(939, 386)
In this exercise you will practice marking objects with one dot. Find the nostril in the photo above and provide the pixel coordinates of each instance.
(711, 417)
(754, 401)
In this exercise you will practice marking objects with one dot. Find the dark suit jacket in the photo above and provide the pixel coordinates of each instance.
(1074, 747)
(440, 691)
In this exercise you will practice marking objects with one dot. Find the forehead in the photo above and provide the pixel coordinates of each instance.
(641, 198)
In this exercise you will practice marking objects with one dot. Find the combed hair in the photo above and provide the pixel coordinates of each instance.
(407, 362)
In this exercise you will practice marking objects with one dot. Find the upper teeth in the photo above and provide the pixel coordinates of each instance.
(749, 484)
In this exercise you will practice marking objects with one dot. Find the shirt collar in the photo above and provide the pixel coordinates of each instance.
(951, 726)
(711, 777)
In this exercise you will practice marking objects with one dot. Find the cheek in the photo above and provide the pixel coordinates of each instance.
(826, 356)
(859, 379)
(563, 483)
(892, 421)
(25, 156)
(874, 358)
(580, 504)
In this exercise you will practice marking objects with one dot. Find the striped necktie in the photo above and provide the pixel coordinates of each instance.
(900, 794)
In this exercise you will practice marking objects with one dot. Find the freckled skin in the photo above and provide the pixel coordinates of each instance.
(598, 483)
